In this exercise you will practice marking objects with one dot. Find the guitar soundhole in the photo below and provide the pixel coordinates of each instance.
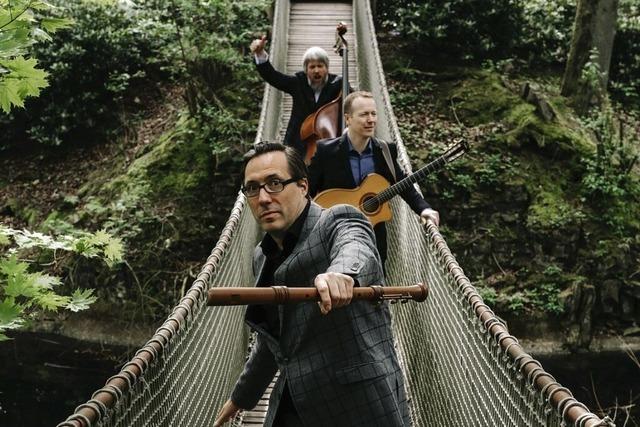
(369, 204)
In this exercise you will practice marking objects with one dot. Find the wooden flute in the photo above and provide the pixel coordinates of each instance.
(285, 295)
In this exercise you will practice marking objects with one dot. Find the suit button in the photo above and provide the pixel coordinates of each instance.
(355, 266)
(285, 360)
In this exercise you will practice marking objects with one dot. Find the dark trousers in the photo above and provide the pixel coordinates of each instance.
(286, 415)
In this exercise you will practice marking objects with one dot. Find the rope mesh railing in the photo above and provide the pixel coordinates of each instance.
(462, 366)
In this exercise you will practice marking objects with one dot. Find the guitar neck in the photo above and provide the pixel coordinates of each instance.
(407, 182)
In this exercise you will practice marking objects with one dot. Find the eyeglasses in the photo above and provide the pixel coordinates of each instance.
(252, 189)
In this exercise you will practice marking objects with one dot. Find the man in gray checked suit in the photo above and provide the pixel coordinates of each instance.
(337, 363)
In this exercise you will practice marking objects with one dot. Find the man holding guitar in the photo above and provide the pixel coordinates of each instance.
(344, 162)
(310, 89)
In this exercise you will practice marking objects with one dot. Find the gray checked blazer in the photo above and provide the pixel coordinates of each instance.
(341, 369)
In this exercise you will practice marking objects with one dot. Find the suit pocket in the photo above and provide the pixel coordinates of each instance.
(361, 372)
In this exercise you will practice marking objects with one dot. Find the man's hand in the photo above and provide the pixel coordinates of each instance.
(335, 289)
(228, 411)
(257, 46)
(430, 214)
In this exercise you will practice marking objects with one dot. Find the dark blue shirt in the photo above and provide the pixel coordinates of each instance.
(361, 163)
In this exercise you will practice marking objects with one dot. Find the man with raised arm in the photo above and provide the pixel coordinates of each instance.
(310, 89)
(344, 162)
(337, 362)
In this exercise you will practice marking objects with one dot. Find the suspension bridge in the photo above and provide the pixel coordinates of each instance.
(462, 366)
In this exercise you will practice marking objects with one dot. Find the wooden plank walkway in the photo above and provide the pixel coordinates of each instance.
(314, 24)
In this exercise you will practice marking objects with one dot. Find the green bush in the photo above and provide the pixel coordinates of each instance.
(536, 31)
(99, 70)
(466, 29)
(625, 61)
(214, 40)
(222, 87)
(546, 31)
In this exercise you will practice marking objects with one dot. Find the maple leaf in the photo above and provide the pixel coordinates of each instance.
(81, 299)
(22, 80)
(100, 238)
(52, 301)
(54, 24)
(45, 281)
(10, 315)
(11, 266)
(14, 42)
(114, 250)
(22, 285)
(9, 96)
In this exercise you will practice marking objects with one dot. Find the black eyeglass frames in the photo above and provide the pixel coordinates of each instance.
(274, 185)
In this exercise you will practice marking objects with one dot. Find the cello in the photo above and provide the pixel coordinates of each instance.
(328, 120)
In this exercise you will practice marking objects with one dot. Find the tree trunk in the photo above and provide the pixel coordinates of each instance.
(594, 29)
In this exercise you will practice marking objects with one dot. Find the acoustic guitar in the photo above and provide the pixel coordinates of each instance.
(374, 192)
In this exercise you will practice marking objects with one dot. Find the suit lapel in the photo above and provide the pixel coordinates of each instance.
(287, 270)
(312, 218)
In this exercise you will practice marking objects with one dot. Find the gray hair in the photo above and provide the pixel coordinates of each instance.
(315, 53)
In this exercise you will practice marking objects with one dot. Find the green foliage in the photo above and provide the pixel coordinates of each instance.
(546, 31)
(608, 181)
(20, 80)
(22, 24)
(625, 60)
(463, 28)
(26, 291)
(217, 72)
(515, 302)
(547, 203)
(546, 296)
(224, 131)
(113, 50)
(550, 210)
(488, 294)
(535, 31)
(591, 74)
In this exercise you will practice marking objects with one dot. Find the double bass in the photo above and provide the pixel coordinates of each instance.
(328, 120)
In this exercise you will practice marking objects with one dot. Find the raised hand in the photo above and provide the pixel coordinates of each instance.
(257, 46)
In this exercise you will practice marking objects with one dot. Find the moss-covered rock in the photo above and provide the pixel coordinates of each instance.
(528, 212)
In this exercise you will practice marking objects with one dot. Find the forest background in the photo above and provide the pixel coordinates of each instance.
(120, 151)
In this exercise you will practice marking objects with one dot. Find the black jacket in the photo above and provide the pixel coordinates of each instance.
(304, 102)
(330, 168)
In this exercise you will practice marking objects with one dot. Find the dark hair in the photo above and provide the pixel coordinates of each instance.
(348, 101)
(297, 168)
